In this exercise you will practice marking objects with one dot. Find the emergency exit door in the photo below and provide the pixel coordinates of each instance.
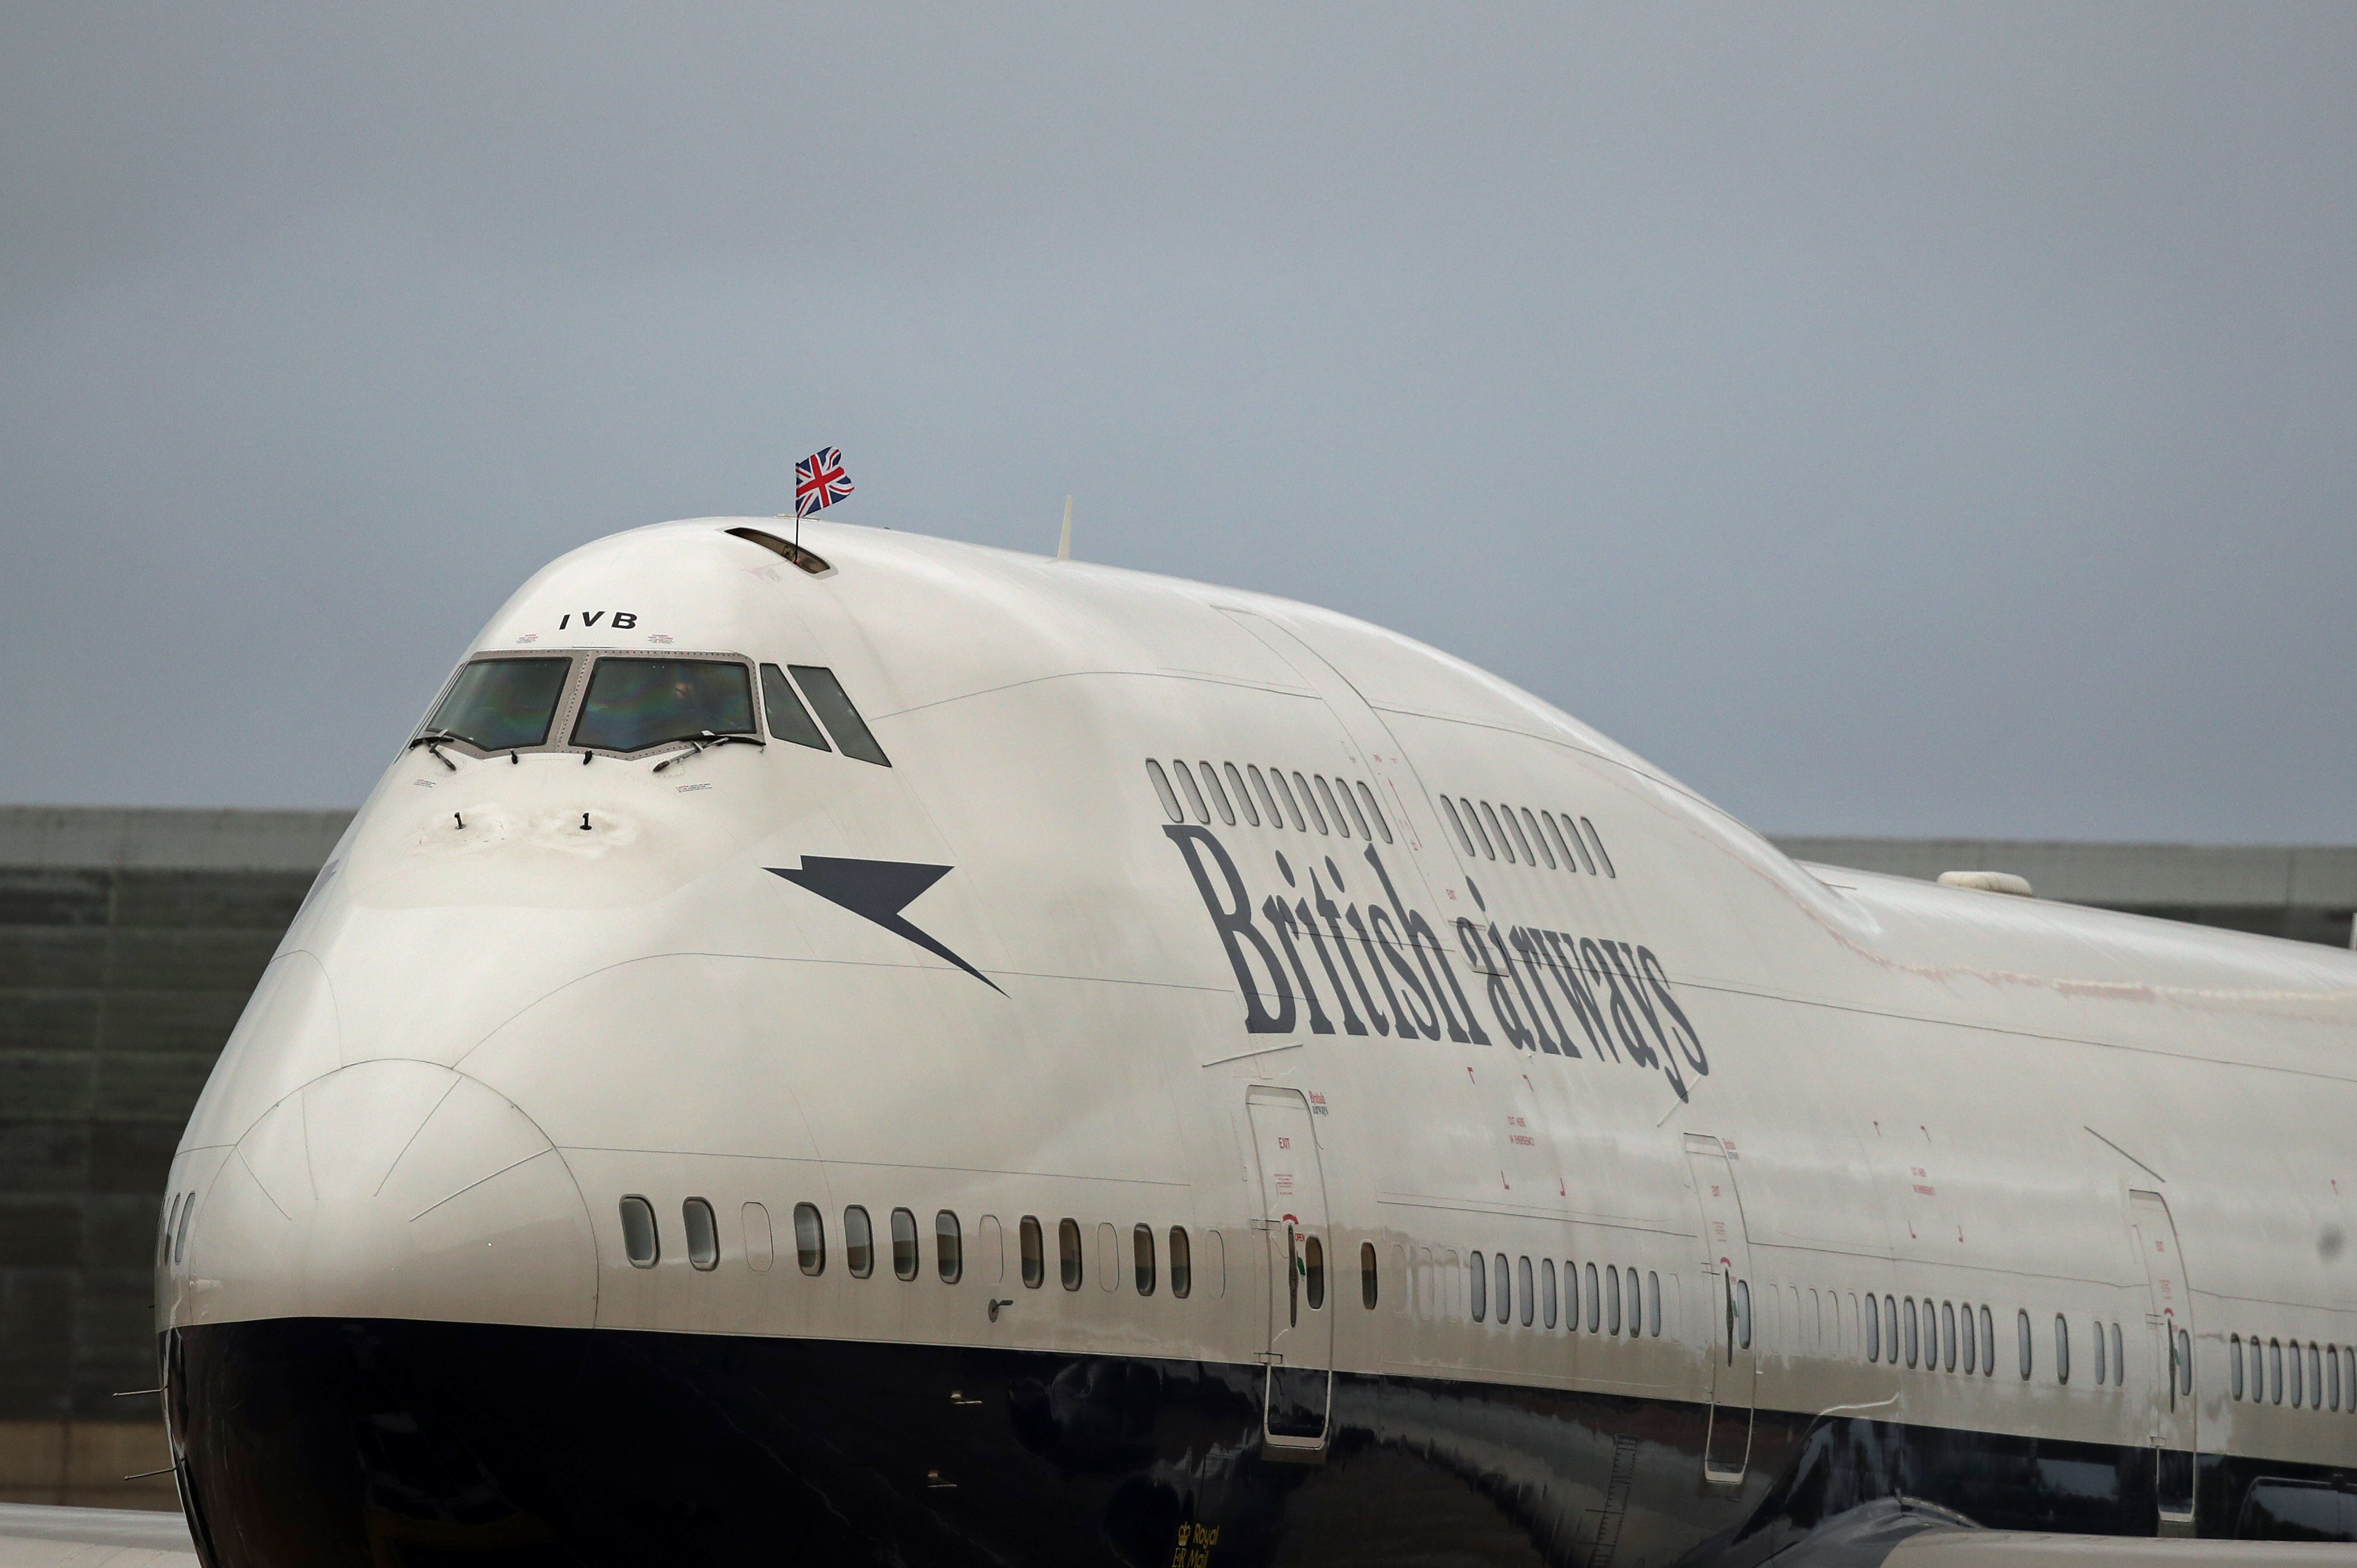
(1727, 1268)
(1300, 1341)
(2169, 1330)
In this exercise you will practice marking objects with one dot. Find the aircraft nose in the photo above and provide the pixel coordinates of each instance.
(391, 1188)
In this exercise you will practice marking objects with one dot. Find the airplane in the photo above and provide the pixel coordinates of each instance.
(868, 1049)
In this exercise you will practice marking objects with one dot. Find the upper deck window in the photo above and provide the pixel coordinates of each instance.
(634, 704)
(497, 704)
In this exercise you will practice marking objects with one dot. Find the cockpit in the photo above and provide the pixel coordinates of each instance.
(630, 705)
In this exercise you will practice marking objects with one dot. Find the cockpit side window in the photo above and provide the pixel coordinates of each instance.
(499, 704)
(789, 720)
(634, 704)
(835, 712)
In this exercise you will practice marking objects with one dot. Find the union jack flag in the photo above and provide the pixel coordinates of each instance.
(820, 481)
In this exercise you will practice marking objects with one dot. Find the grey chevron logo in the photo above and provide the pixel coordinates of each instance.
(878, 890)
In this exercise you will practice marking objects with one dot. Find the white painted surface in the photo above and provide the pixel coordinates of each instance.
(1928, 1093)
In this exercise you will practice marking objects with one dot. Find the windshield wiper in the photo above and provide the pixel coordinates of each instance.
(432, 740)
(704, 739)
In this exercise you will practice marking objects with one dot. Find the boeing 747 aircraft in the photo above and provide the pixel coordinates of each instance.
(881, 1050)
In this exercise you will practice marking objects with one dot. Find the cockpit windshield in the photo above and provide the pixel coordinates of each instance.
(633, 704)
(497, 704)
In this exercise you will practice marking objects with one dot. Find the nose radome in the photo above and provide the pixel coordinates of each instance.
(393, 1188)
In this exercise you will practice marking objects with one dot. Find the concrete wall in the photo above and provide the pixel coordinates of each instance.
(129, 941)
(128, 944)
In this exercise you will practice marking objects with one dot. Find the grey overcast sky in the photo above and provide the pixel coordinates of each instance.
(1889, 418)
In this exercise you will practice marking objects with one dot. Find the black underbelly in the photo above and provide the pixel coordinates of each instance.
(390, 1443)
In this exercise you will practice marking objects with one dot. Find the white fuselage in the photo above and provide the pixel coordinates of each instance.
(530, 986)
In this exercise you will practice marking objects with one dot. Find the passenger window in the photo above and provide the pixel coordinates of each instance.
(2235, 1364)
(2274, 1372)
(634, 704)
(1503, 1274)
(1521, 842)
(904, 1244)
(2021, 1320)
(1367, 1275)
(500, 704)
(1546, 1292)
(1972, 1360)
(1743, 1313)
(164, 1241)
(1326, 795)
(1342, 787)
(702, 1235)
(2061, 1349)
(2315, 1377)
(1182, 1264)
(858, 1243)
(1219, 794)
(1595, 1303)
(1873, 1332)
(1035, 1256)
(2102, 1372)
(1449, 807)
(1267, 801)
(1612, 1300)
(1375, 811)
(1948, 1336)
(949, 1248)
(2332, 1375)
(1301, 787)
(1243, 795)
(1141, 1250)
(1313, 1272)
(639, 1242)
(1652, 1304)
(1194, 796)
(1537, 837)
(810, 1239)
(1166, 795)
(1292, 807)
(1586, 863)
(1478, 1278)
(2119, 1362)
(1526, 1290)
(1552, 837)
(842, 720)
(1490, 821)
(1596, 839)
(789, 720)
(1473, 821)
(1988, 1338)
(1068, 1251)
(2294, 1378)
(2258, 1370)
(2184, 1361)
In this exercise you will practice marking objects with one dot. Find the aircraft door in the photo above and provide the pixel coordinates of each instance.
(2168, 1329)
(1300, 1354)
(1727, 1265)
(1394, 778)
